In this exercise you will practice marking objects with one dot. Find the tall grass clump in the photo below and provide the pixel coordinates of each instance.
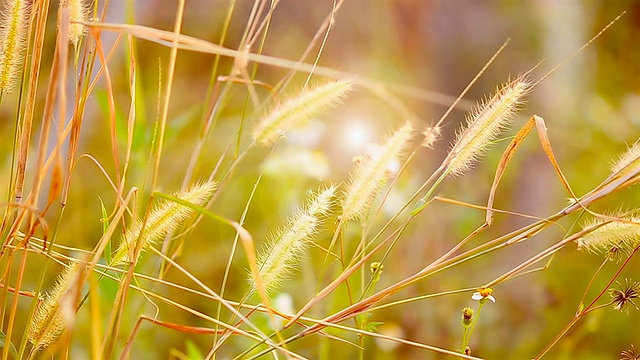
(381, 256)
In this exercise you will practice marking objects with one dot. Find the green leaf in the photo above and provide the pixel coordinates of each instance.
(373, 326)
(139, 132)
(12, 349)
(108, 289)
(193, 353)
(421, 204)
(105, 226)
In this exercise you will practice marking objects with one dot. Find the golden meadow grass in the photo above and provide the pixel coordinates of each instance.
(376, 257)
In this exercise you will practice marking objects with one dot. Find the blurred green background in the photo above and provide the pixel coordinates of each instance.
(591, 106)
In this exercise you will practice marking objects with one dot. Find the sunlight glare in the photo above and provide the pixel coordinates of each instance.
(356, 134)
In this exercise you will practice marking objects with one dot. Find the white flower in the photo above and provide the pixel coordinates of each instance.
(484, 295)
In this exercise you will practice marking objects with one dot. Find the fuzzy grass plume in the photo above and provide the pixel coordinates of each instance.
(13, 32)
(372, 172)
(629, 161)
(78, 11)
(58, 307)
(281, 253)
(163, 219)
(622, 235)
(299, 109)
(484, 123)
(432, 134)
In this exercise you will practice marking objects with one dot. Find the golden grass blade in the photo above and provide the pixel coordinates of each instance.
(546, 146)
(510, 152)
(507, 155)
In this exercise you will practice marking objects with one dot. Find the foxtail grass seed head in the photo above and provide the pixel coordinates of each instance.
(619, 235)
(432, 135)
(484, 124)
(163, 219)
(371, 173)
(13, 32)
(282, 251)
(78, 11)
(628, 162)
(298, 109)
(58, 307)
